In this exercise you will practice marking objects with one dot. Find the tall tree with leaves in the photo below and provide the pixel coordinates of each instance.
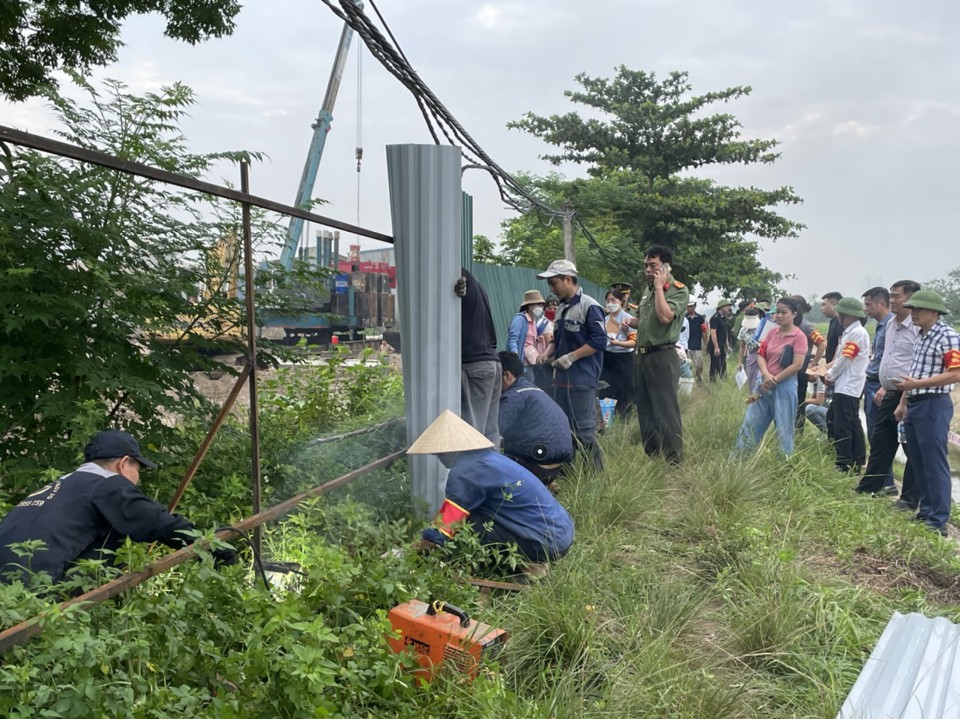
(38, 37)
(111, 285)
(641, 147)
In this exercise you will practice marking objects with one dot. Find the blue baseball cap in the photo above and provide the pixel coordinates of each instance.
(113, 443)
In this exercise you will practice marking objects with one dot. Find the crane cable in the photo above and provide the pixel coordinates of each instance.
(359, 149)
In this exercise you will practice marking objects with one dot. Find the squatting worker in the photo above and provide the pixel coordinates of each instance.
(579, 339)
(90, 512)
(536, 433)
(659, 320)
(926, 408)
(503, 502)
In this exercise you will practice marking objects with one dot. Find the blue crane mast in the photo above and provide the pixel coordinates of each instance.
(320, 129)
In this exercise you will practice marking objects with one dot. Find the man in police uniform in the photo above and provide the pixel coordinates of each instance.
(90, 512)
(925, 407)
(659, 319)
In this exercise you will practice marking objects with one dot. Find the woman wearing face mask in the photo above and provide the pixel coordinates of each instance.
(529, 336)
(618, 357)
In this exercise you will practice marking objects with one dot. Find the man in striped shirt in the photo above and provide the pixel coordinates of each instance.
(926, 408)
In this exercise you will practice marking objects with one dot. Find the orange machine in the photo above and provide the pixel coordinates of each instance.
(440, 631)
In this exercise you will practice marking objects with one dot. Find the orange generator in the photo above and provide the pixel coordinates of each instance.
(440, 631)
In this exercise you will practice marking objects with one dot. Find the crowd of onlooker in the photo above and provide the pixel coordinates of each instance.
(871, 396)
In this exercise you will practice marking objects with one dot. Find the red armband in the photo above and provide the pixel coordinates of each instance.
(951, 359)
(851, 350)
(450, 514)
(816, 338)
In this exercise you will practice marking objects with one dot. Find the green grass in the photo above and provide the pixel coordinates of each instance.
(754, 588)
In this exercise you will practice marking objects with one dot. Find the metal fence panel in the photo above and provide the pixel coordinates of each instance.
(912, 673)
(426, 207)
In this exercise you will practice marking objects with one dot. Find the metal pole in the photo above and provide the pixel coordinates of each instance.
(55, 147)
(569, 248)
(208, 440)
(251, 352)
(31, 627)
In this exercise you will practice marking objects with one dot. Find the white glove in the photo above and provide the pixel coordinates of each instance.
(566, 361)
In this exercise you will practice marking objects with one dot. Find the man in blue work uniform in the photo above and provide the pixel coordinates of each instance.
(579, 339)
(89, 513)
(536, 433)
(926, 408)
(499, 499)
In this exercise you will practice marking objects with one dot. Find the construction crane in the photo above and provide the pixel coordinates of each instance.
(320, 129)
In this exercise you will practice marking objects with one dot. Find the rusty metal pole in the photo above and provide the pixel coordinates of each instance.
(208, 440)
(251, 353)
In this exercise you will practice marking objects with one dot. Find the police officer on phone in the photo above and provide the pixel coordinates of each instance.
(659, 320)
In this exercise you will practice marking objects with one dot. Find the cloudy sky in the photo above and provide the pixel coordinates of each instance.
(862, 94)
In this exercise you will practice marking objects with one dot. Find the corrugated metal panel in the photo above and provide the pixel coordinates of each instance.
(466, 234)
(912, 673)
(426, 207)
(505, 287)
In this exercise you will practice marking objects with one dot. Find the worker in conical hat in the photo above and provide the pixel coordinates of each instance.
(502, 501)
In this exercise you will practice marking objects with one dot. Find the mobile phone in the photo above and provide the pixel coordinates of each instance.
(666, 267)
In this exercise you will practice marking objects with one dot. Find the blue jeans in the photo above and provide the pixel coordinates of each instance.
(817, 414)
(927, 425)
(779, 406)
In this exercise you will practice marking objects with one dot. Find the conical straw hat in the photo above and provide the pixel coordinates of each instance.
(449, 433)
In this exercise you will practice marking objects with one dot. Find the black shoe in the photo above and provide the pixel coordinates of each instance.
(890, 490)
(904, 506)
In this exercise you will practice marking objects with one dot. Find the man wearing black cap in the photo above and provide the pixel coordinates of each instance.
(89, 512)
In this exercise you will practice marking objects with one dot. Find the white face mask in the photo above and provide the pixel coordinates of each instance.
(612, 307)
(538, 312)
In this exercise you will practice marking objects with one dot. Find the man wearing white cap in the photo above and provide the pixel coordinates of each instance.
(579, 340)
(502, 501)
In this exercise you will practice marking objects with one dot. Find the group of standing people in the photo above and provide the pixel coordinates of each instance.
(904, 378)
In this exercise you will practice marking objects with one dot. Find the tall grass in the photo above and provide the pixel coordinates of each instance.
(754, 587)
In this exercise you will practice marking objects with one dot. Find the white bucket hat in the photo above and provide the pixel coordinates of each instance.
(449, 433)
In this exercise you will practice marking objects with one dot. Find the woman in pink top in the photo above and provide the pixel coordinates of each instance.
(779, 359)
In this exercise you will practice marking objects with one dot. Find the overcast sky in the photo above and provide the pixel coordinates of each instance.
(862, 94)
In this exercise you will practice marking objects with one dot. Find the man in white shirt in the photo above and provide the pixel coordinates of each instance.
(848, 375)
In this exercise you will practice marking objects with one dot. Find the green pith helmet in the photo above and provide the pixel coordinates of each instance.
(926, 300)
(851, 307)
(764, 305)
(724, 303)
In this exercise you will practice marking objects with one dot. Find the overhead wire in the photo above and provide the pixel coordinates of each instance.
(437, 116)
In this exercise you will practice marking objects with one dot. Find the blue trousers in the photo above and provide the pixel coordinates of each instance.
(779, 406)
(580, 406)
(927, 425)
(817, 414)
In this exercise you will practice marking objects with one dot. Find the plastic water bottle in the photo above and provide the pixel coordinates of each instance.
(901, 433)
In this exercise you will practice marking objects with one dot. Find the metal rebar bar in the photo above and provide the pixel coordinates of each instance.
(64, 149)
(31, 627)
(208, 440)
(251, 353)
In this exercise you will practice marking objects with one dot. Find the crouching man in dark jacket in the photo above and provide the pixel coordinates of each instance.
(90, 512)
(501, 500)
(536, 432)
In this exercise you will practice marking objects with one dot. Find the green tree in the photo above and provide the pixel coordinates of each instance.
(643, 142)
(40, 36)
(112, 285)
(948, 288)
(485, 251)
